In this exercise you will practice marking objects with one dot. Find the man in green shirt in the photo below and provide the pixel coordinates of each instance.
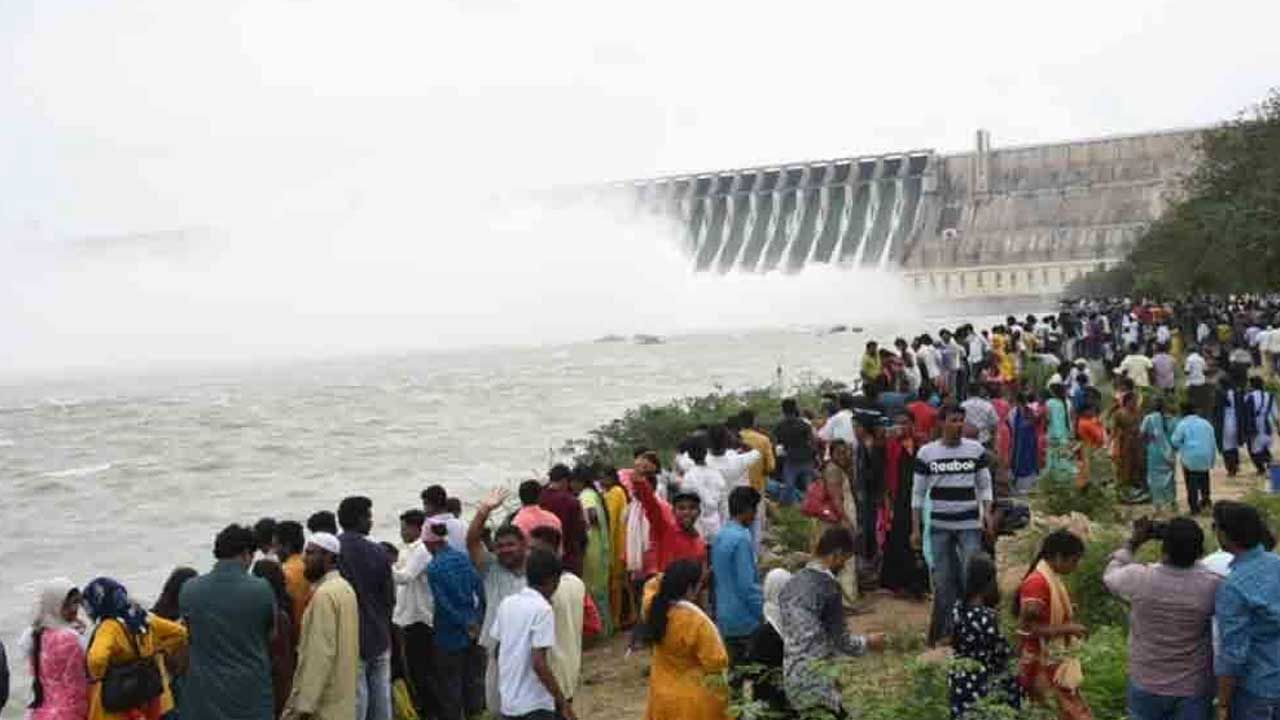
(231, 617)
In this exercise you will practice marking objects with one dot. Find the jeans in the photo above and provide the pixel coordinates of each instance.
(1245, 706)
(1197, 489)
(419, 652)
(950, 550)
(1146, 706)
(373, 688)
(796, 476)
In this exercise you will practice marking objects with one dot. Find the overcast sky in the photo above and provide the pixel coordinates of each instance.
(143, 115)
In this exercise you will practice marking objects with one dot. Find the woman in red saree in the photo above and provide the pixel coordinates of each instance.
(1047, 631)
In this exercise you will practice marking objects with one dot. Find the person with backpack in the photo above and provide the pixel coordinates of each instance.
(126, 676)
(1261, 406)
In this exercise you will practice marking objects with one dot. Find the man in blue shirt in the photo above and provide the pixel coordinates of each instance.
(739, 597)
(1248, 613)
(458, 597)
(1196, 443)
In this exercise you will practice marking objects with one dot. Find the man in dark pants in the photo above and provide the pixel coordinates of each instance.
(413, 613)
(458, 610)
(1194, 441)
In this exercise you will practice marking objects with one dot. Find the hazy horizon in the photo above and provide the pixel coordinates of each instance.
(343, 163)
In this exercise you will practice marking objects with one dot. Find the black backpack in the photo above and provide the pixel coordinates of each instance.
(132, 684)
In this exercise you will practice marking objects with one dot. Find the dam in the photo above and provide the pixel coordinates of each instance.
(1022, 220)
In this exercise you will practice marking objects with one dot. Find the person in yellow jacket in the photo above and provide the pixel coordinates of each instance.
(324, 683)
(124, 632)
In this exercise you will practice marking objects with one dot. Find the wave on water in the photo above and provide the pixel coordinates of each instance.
(77, 472)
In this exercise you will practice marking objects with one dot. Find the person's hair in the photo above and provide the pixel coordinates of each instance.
(790, 408)
(392, 551)
(747, 418)
(1241, 523)
(530, 492)
(435, 497)
(743, 499)
(838, 444)
(845, 401)
(1057, 544)
(559, 473)
(1133, 347)
(352, 510)
(414, 517)
(546, 534)
(167, 604)
(1255, 382)
(270, 571)
(232, 541)
(1183, 542)
(438, 530)
(696, 450)
(541, 567)
(686, 496)
(323, 521)
(1190, 408)
(718, 439)
(1059, 391)
(836, 539)
(680, 577)
(509, 529)
(951, 409)
(454, 506)
(583, 475)
(653, 458)
(264, 532)
(289, 535)
(733, 423)
(980, 580)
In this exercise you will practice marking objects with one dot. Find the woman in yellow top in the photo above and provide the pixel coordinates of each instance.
(686, 680)
(616, 502)
(123, 631)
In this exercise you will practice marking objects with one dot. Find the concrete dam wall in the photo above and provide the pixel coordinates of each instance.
(994, 221)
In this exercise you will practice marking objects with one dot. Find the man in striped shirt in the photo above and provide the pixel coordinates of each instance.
(950, 509)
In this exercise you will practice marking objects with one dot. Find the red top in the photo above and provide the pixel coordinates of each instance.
(925, 417)
(670, 541)
(1034, 590)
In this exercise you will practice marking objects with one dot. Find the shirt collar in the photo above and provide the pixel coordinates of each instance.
(1247, 556)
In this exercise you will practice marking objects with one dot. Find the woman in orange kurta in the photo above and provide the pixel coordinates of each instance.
(686, 679)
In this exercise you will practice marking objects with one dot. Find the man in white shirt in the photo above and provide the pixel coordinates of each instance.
(413, 611)
(435, 503)
(840, 425)
(707, 483)
(1137, 367)
(524, 631)
(568, 607)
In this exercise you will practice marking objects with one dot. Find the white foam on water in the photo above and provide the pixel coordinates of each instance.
(78, 472)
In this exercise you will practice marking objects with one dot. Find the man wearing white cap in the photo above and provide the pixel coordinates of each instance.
(324, 683)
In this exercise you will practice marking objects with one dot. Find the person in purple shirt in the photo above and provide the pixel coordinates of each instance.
(365, 565)
(560, 501)
(1171, 611)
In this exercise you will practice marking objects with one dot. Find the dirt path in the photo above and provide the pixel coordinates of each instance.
(615, 685)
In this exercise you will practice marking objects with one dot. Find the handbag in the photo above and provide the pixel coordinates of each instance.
(132, 684)
(402, 701)
(817, 503)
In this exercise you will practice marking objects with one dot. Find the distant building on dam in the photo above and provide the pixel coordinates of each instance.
(1008, 221)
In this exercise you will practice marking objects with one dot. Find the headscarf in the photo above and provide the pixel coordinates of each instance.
(46, 614)
(105, 598)
(774, 582)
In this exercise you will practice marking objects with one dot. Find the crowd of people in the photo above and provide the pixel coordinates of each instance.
(907, 480)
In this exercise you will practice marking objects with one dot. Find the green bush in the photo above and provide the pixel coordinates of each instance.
(1268, 505)
(1105, 657)
(791, 528)
(662, 427)
(1058, 494)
